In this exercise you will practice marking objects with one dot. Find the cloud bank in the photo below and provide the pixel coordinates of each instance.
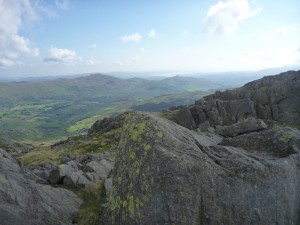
(14, 14)
(60, 55)
(226, 17)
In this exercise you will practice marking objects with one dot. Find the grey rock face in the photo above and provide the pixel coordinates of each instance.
(22, 201)
(270, 98)
(76, 179)
(58, 174)
(167, 174)
(74, 174)
(107, 124)
(184, 118)
(70, 175)
(248, 125)
(15, 148)
(102, 168)
(278, 142)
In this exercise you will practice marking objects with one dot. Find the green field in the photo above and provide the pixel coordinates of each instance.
(54, 120)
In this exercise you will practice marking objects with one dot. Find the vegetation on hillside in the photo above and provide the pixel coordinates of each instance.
(52, 110)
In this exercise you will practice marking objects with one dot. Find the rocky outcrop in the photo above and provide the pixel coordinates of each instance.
(69, 174)
(241, 127)
(15, 148)
(272, 98)
(80, 171)
(23, 201)
(167, 174)
(107, 124)
(277, 142)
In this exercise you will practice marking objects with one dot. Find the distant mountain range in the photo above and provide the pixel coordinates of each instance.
(50, 109)
(98, 88)
(234, 76)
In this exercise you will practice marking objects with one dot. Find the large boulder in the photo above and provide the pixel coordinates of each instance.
(69, 174)
(58, 174)
(23, 201)
(167, 174)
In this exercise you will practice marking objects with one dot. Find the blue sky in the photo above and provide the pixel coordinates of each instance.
(57, 37)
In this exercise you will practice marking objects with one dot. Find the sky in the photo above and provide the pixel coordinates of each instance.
(59, 37)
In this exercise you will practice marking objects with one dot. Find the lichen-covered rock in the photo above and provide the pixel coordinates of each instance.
(23, 201)
(167, 174)
(278, 142)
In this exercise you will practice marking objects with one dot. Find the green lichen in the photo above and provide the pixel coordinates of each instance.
(285, 138)
(135, 181)
(131, 205)
(160, 134)
(119, 180)
(2, 178)
(137, 130)
(115, 203)
(61, 166)
(132, 155)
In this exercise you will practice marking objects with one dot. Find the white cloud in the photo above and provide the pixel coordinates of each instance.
(6, 62)
(278, 32)
(152, 33)
(59, 55)
(135, 37)
(186, 33)
(62, 4)
(142, 49)
(225, 17)
(24, 46)
(93, 45)
(14, 14)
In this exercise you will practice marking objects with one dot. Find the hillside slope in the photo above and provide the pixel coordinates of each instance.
(244, 170)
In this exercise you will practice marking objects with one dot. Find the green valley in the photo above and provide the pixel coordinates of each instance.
(51, 110)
